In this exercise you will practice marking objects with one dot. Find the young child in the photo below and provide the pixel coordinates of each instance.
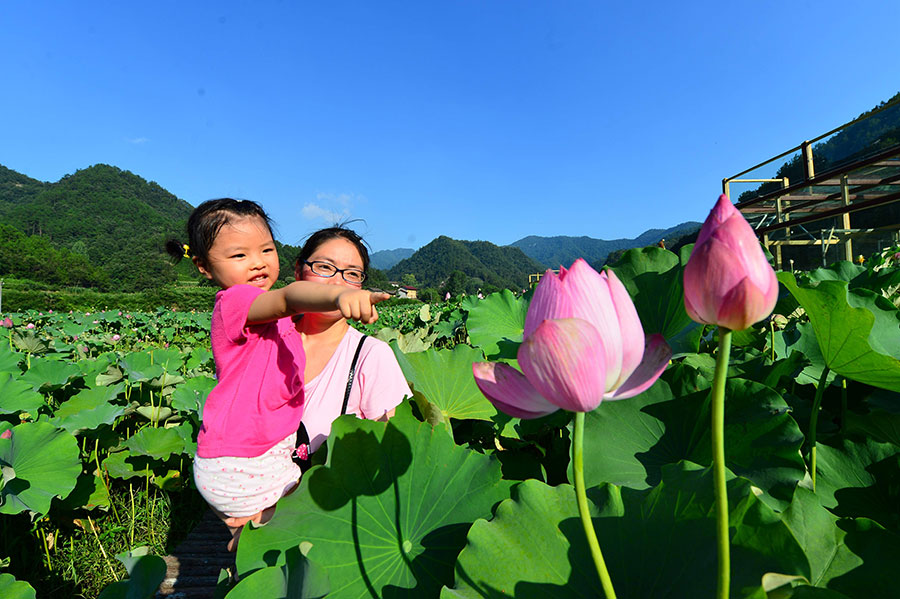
(247, 436)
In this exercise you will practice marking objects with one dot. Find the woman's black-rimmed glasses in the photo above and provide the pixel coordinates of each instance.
(328, 270)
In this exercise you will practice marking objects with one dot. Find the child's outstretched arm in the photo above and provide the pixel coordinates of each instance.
(307, 296)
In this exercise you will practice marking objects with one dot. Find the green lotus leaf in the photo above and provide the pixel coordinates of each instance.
(882, 422)
(857, 276)
(191, 396)
(45, 374)
(10, 588)
(653, 277)
(444, 378)
(145, 574)
(89, 409)
(879, 552)
(842, 270)
(18, 396)
(299, 578)
(496, 323)
(387, 514)
(628, 441)
(9, 360)
(157, 443)
(28, 343)
(802, 339)
(140, 367)
(200, 357)
(858, 334)
(658, 542)
(816, 531)
(91, 368)
(188, 435)
(170, 359)
(46, 462)
(110, 376)
(167, 381)
(122, 464)
(860, 478)
(155, 413)
(89, 493)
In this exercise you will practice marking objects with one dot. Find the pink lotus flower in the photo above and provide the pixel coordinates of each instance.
(7, 434)
(446, 297)
(583, 343)
(7, 323)
(116, 337)
(728, 282)
(30, 325)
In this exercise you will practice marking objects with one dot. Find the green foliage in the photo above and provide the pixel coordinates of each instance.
(35, 258)
(426, 504)
(502, 267)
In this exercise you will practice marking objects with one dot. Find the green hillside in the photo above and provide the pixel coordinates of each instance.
(481, 261)
(105, 226)
(115, 219)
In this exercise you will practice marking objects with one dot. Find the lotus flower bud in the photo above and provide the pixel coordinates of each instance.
(728, 282)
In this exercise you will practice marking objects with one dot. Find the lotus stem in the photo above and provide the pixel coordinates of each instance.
(578, 467)
(40, 532)
(843, 402)
(772, 338)
(102, 550)
(103, 479)
(813, 421)
(718, 455)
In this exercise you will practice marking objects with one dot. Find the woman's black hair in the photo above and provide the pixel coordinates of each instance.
(336, 232)
(207, 220)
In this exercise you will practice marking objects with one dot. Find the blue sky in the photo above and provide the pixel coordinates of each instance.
(479, 119)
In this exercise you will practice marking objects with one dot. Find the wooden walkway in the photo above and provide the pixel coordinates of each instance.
(194, 566)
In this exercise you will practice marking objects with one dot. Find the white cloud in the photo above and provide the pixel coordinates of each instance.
(313, 211)
(137, 140)
(331, 208)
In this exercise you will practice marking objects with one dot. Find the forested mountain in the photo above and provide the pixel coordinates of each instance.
(563, 250)
(385, 259)
(106, 224)
(115, 219)
(855, 142)
(484, 263)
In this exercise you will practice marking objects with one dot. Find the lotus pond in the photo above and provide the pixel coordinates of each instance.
(451, 498)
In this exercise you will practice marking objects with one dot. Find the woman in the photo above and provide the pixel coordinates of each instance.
(337, 256)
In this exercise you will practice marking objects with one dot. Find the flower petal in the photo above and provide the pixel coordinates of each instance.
(510, 391)
(657, 354)
(548, 301)
(564, 360)
(631, 332)
(744, 306)
(591, 299)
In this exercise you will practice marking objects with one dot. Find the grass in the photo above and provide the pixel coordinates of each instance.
(73, 554)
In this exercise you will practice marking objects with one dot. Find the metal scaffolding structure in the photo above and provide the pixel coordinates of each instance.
(816, 211)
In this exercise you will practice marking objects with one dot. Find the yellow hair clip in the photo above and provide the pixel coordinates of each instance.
(187, 250)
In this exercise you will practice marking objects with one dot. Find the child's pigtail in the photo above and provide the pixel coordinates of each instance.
(177, 250)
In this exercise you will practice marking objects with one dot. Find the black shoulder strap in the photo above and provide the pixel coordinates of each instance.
(352, 374)
(301, 453)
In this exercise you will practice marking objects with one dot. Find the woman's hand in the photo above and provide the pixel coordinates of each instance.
(359, 304)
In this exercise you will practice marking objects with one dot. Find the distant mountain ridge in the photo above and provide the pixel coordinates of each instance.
(482, 261)
(563, 250)
(385, 259)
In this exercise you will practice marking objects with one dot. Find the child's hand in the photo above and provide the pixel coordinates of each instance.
(359, 304)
